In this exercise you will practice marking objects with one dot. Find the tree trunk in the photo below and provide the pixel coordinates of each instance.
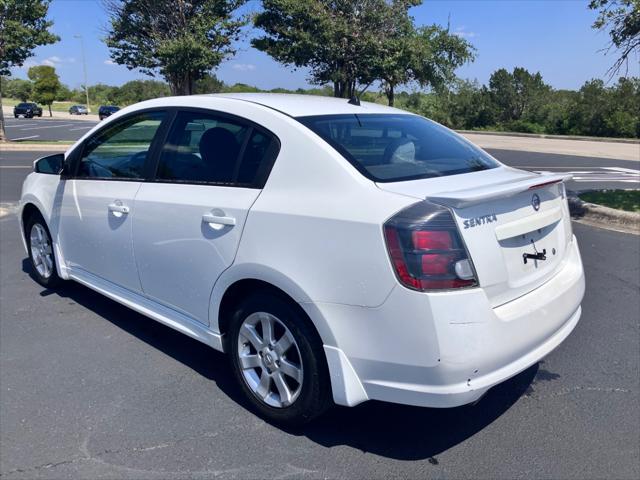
(51, 114)
(390, 94)
(340, 89)
(181, 84)
(3, 134)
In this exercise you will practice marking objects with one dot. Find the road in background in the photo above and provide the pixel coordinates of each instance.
(44, 129)
(588, 172)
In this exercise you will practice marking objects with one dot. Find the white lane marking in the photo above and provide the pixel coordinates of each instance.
(80, 128)
(24, 138)
(16, 125)
(52, 126)
(596, 174)
(625, 170)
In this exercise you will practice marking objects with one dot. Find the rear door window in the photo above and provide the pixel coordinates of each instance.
(211, 148)
(391, 148)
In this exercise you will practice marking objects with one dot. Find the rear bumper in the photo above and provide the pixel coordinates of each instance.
(447, 349)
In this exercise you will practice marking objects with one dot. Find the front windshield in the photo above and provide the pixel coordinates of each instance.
(392, 147)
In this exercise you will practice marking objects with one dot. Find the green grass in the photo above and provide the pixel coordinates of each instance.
(628, 200)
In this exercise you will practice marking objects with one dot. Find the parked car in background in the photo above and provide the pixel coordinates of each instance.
(107, 110)
(27, 110)
(337, 252)
(78, 110)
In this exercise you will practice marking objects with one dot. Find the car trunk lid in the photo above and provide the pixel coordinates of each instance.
(515, 224)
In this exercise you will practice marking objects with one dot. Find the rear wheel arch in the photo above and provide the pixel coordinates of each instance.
(239, 290)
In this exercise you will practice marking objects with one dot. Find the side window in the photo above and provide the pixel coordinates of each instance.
(258, 156)
(120, 151)
(202, 147)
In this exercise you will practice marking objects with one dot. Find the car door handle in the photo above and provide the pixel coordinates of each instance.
(118, 208)
(212, 220)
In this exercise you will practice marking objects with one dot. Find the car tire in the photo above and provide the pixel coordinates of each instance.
(252, 357)
(15, 116)
(41, 252)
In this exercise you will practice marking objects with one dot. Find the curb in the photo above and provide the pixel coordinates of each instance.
(33, 147)
(552, 137)
(601, 216)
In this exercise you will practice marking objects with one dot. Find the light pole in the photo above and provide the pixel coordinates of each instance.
(84, 68)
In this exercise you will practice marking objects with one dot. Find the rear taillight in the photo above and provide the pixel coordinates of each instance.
(426, 250)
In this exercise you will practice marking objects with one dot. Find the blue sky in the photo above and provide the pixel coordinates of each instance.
(551, 36)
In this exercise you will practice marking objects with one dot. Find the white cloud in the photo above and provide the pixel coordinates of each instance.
(464, 33)
(48, 62)
(54, 59)
(108, 61)
(243, 67)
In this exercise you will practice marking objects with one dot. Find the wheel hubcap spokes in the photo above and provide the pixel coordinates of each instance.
(41, 250)
(270, 360)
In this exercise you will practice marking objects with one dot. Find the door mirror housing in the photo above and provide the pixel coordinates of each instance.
(51, 164)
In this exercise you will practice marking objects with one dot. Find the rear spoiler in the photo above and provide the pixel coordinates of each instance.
(468, 197)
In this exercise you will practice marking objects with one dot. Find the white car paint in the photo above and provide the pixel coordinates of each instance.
(315, 232)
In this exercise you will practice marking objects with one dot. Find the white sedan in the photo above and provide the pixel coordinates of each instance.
(337, 251)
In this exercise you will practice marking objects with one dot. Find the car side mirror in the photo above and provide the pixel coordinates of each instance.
(51, 164)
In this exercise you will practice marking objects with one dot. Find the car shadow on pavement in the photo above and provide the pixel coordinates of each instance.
(394, 431)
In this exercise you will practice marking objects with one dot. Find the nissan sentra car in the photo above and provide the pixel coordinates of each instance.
(337, 251)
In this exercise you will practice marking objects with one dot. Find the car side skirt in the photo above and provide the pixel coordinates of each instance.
(149, 308)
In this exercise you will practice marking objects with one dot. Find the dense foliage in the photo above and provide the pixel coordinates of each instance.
(23, 27)
(522, 102)
(512, 101)
(351, 44)
(45, 84)
(180, 40)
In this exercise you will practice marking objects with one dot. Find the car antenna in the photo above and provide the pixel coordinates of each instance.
(354, 101)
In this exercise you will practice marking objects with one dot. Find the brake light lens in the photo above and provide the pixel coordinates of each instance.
(426, 250)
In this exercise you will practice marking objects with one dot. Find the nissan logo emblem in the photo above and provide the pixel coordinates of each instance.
(535, 202)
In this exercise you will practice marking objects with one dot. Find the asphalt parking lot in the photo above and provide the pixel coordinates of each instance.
(91, 389)
(47, 129)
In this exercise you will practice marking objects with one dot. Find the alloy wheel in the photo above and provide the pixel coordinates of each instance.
(270, 360)
(41, 250)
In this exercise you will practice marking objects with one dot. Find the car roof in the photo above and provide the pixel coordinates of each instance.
(296, 105)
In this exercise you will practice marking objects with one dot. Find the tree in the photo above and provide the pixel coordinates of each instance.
(23, 27)
(45, 84)
(622, 18)
(139, 90)
(209, 84)
(342, 42)
(18, 88)
(429, 56)
(518, 94)
(64, 94)
(182, 40)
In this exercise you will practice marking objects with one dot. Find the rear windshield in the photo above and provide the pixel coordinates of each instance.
(24, 105)
(391, 148)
